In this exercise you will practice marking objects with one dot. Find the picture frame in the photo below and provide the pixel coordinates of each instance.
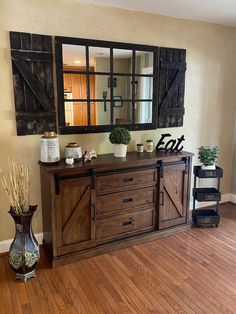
(118, 101)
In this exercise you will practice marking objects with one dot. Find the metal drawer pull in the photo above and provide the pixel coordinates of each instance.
(127, 200)
(128, 179)
(93, 211)
(129, 222)
(163, 198)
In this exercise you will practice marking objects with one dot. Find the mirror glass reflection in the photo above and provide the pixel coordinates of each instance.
(101, 111)
(74, 57)
(143, 62)
(122, 61)
(143, 112)
(143, 87)
(99, 59)
(76, 113)
(122, 112)
(127, 89)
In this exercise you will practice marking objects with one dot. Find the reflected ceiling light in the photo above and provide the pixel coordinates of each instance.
(77, 61)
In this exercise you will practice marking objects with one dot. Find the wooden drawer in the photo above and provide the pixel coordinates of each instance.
(122, 225)
(126, 180)
(116, 202)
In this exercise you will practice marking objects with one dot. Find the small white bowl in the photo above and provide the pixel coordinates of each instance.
(69, 160)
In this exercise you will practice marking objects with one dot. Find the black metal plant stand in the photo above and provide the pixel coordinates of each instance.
(208, 216)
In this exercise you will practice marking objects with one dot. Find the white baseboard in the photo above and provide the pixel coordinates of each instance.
(5, 245)
(233, 198)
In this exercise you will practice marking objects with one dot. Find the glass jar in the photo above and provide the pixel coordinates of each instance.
(140, 148)
(149, 146)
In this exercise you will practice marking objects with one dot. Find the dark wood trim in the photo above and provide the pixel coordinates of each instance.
(156, 63)
(178, 78)
(173, 111)
(102, 43)
(105, 73)
(111, 87)
(133, 86)
(102, 100)
(173, 65)
(32, 69)
(41, 56)
(33, 84)
(88, 85)
(60, 85)
(104, 128)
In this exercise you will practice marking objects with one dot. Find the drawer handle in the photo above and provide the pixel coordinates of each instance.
(127, 200)
(128, 179)
(162, 203)
(127, 223)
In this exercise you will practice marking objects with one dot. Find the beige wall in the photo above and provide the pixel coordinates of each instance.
(234, 161)
(210, 95)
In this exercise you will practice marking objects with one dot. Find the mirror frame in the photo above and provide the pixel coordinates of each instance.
(63, 129)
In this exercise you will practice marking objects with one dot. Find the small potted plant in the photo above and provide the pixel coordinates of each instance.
(208, 157)
(120, 138)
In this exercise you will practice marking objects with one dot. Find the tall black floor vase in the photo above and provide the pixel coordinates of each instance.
(24, 251)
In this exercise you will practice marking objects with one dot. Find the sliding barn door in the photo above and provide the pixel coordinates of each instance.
(73, 212)
(173, 199)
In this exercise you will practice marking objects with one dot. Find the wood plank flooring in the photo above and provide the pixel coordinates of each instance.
(192, 272)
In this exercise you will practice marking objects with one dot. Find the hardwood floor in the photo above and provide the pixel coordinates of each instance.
(192, 272)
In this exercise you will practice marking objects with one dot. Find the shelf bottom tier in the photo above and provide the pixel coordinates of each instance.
(205, 217)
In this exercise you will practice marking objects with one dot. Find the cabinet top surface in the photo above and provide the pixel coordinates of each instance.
(132, 159)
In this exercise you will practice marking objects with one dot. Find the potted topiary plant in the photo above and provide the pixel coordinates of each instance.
(120, 137)
(208, 157)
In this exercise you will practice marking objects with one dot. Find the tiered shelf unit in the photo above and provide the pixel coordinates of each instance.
(209, 216)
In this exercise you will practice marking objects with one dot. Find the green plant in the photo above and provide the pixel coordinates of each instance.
(120, 136)
(208, 155)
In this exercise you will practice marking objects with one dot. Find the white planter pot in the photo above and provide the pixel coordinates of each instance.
(213, 167)
(119, 150)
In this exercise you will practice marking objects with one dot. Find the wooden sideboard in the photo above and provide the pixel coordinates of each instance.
(109, 203)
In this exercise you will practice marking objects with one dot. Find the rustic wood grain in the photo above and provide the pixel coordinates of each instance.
(192, 272)
(32, 65)
(91, 209)
(171, 87)
(174, 196)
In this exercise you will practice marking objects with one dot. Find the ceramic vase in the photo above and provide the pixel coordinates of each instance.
(24, 252)
(119, 150)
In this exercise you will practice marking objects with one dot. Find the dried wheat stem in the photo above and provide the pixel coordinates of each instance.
(16, 186)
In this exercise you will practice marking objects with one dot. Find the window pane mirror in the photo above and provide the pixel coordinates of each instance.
(105, 84)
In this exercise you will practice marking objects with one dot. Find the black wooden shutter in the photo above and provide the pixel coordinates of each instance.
(32, 65)
(171, 87)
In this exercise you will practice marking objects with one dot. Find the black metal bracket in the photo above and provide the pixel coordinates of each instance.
(161, 169)
(129, 169)
(187, 159)
(93, 178)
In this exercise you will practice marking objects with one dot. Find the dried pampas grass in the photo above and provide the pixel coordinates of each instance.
(16, 186)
